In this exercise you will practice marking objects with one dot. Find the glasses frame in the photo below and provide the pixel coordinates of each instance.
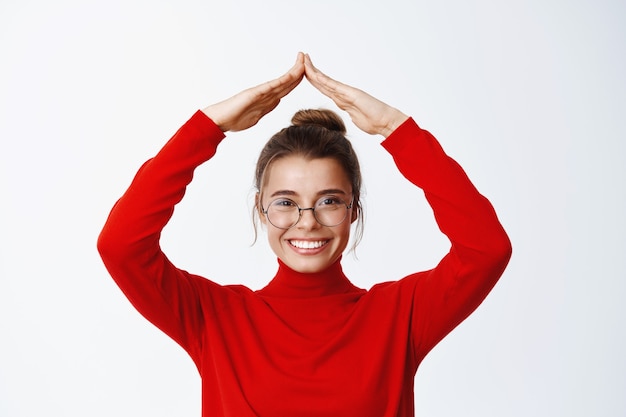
(300, 210)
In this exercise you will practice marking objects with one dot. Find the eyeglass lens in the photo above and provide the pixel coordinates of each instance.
(328, 211)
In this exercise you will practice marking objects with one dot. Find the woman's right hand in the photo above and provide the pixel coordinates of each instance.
(246, 108)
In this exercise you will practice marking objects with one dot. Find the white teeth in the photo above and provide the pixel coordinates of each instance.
(306, 244)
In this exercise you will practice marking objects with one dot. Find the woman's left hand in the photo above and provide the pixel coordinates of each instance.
(368, 113)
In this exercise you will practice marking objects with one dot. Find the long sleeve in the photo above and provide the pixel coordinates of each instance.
(346, 345)
(480, 248)
(129, 241)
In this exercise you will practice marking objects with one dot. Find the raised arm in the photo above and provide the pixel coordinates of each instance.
(480, 248)
(129, 242)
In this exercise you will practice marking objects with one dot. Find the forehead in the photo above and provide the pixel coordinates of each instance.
(305, 176)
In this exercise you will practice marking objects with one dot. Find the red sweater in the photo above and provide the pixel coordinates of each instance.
(307, 344)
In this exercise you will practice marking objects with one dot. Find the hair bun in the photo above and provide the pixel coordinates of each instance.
(319, 117)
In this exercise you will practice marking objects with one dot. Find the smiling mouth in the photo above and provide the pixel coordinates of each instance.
(308, 244)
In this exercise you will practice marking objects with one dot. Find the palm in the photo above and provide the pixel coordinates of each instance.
(246, 108)
(368, 113)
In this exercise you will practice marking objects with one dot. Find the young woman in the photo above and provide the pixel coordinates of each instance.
(310, 343)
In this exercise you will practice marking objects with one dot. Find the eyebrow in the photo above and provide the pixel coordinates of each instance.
(292, 193)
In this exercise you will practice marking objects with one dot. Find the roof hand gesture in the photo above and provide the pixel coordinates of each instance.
(246, 108)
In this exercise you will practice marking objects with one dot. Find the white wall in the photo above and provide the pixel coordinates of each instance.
(529, 96)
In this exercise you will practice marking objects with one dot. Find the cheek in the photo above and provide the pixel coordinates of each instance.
(344, 232)
(274, 235)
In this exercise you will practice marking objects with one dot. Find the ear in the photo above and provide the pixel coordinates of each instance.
(355, 213)
(259, 209)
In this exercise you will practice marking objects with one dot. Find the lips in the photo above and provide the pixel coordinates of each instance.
(308, 244)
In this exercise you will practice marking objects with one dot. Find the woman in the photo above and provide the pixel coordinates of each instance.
(310, 343)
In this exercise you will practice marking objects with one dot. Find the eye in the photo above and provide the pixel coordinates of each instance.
(283, 204)
(329, 201)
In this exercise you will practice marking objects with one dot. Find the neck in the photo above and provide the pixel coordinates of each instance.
(293, 284)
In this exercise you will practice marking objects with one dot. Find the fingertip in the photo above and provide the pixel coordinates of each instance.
(307, 61)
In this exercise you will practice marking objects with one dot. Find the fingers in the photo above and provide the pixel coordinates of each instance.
(315, 76)
(320, 80)
(295, 73)
(246, 108)
(334, 89)
(283, 85)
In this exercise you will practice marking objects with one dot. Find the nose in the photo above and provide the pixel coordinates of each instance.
(307, 219)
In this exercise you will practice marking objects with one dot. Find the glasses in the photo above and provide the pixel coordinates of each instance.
(284, 213)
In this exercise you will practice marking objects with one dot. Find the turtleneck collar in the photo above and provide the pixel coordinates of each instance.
(288, 283)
